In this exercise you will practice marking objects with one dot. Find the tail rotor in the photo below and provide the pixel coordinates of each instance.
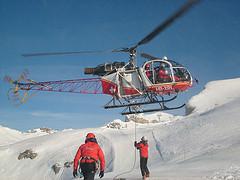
(17, 95)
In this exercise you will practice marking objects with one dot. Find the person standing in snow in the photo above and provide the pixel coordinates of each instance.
(142, 146)
(89, 154)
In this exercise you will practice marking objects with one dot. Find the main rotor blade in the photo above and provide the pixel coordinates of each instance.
(62, 53)
(148, 56)
(145, 40)
(167, 22)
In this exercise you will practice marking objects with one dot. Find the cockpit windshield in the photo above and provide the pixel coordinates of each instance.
(181, 74)
(158, 72)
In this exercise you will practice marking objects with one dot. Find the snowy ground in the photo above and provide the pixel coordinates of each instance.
(205, 144)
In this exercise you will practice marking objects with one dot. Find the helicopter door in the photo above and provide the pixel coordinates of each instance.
(129, 83)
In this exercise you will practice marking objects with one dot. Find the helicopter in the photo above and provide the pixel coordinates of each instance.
(130, 87)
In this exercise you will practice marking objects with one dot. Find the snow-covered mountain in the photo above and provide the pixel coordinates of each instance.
(205, 144)
(10, 136)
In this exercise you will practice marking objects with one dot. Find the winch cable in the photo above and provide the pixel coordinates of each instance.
(135, 155)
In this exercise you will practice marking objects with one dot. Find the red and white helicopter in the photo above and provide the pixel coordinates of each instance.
(130, 87)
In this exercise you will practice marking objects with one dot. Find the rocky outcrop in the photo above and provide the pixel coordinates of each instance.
(27, 154)
(57, 166)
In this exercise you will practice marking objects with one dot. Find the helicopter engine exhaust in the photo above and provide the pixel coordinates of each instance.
(89, 70)
(104, 69)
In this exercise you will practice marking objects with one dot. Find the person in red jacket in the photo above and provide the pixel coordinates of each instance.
(89, 154)
(142, 146)
(163, 75)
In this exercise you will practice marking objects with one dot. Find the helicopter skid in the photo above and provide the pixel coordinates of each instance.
(152, 101)
(135, 105)
(164, 108)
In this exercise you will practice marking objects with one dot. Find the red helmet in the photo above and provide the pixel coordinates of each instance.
(147, 66)
(90, 135)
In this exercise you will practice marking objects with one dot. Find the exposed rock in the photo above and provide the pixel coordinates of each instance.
(158, 117)
(42, 130)
(27, 154)
(47, 130)
(56, 168)
(117, 124)
(114, 125)
(136, 119)
(68, 164)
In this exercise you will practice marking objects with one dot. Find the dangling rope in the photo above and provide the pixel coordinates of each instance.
(135, 155)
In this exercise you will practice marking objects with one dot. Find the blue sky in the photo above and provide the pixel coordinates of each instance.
(206, 40)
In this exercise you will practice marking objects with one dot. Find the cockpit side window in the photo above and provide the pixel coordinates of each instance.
(148, 71)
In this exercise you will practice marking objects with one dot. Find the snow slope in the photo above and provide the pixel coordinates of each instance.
(202, 145)
(215, 94)
(10, 136)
